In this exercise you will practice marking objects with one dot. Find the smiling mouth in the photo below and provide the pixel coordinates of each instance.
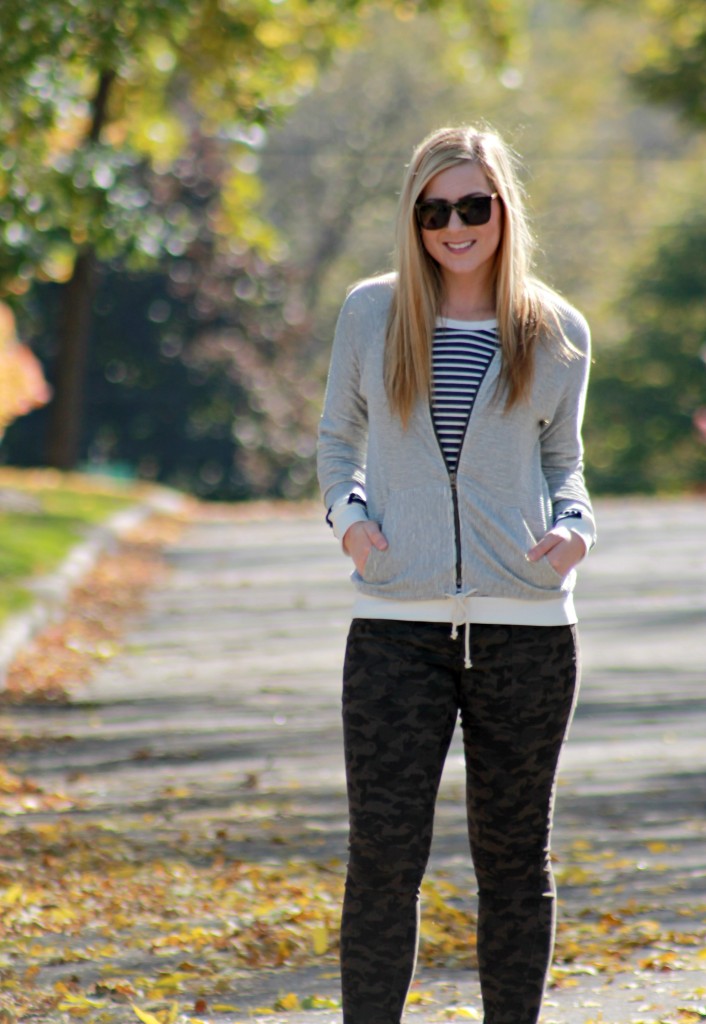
(460, 246)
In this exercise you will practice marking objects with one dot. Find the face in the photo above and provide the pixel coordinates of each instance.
(463, 251)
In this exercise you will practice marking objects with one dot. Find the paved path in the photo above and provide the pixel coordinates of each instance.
(229, 685)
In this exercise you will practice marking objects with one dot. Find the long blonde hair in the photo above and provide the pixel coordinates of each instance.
(524, 306)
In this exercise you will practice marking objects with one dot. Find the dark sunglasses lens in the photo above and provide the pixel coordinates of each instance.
(436, 213)
(474, 209)
(433, 215)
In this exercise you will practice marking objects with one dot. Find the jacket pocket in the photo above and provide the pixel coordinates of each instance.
(417, 523)
(543, 563)
(497, 539)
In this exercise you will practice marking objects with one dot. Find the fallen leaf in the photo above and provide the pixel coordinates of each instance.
(144, 1016)
(288, 1002)
(320, 939)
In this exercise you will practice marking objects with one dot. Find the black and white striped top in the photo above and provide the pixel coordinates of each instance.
(461, 355)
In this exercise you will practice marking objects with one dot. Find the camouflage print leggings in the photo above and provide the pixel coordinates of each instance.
(403, 688)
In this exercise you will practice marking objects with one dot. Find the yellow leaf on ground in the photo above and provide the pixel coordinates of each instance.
(79, 1004)
(320, 939)
(288, 1002)
(12, 895)
(417, 998)
(144, 1015)
(320, 1003)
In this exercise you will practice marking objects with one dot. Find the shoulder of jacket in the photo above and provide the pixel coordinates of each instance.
(372, 295)
(567, 319)
(575, 325)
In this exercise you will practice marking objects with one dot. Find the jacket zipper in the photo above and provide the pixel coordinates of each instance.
(454, 501)
(454, 483)
(457, 532)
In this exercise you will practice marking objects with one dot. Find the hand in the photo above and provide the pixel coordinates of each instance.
(562, 549)
(359, 539)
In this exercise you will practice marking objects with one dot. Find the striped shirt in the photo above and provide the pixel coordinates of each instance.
(461, 355)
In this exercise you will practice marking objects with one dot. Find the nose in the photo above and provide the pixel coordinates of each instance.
(455, 221)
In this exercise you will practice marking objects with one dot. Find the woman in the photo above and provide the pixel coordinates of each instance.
(450, 460)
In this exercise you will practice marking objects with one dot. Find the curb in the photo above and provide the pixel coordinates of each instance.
(51, 590)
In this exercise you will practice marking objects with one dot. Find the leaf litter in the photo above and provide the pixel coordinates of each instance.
(92, 921)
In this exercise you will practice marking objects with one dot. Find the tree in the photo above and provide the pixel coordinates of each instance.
(670, 66)
(648, 392)
(197, 373)
(101, 98)
(647, 408)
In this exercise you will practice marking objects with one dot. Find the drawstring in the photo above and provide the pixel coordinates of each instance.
(467, 663)
(461, 616)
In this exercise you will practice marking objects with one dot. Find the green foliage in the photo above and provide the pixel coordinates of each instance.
(667, 62)
(671, 68)
(134, 134)
(96, 93)
(646, 391)
(89, 91)
(198, 373)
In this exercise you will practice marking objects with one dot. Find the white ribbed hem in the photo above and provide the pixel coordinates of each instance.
(499, 611)
(479, 325)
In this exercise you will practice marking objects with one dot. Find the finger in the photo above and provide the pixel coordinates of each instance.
(543, 547)
(376, 536)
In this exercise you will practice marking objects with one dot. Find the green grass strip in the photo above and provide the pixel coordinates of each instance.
(34, 543)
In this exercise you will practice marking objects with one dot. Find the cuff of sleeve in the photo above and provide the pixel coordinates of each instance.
(582, 529)
(577, 517)
(344, 515)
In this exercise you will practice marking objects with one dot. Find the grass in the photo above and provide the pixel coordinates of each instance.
(64, 506)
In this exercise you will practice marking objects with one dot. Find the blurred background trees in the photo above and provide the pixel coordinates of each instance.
(22, 384)
(651, 388)
(178, 257)
(129, 139)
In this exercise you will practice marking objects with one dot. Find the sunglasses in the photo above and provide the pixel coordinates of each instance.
(433, 214)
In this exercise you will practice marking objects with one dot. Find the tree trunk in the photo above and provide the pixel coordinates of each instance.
(71, 361)
(73, 329)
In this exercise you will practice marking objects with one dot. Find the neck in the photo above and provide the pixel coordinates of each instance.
(465, 312)
(463, 301)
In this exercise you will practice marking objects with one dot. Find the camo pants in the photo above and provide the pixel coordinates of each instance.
(404, 686)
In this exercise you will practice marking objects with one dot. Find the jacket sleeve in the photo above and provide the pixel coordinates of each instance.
(343, 428)
(562, 444)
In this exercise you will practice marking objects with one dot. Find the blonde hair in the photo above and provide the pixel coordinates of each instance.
(524, 306)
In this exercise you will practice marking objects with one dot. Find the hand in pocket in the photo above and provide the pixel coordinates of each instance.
(359, 539)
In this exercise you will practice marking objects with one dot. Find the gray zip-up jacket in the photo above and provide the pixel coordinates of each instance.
(517, 472)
